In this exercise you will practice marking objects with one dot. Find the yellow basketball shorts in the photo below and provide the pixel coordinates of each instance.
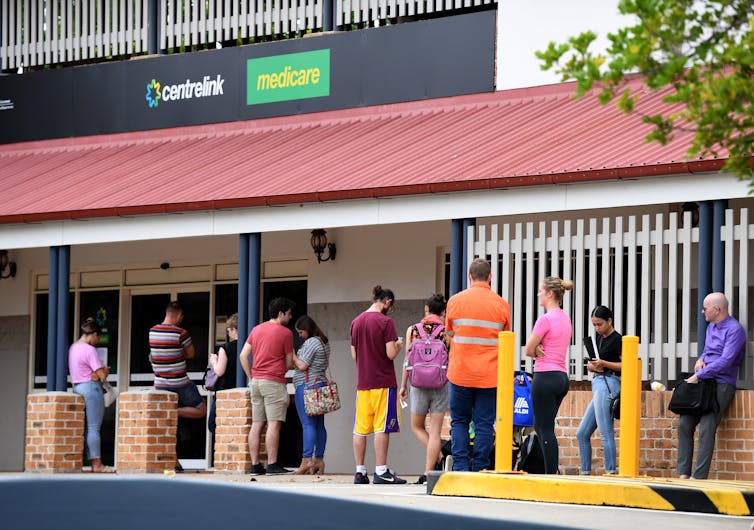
(377, 410)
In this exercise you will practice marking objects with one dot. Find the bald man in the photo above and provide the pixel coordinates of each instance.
(724, 349)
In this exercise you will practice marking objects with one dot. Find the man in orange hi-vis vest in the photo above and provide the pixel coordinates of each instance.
(473, 319)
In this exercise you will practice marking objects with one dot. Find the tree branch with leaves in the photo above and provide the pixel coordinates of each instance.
(700, 51)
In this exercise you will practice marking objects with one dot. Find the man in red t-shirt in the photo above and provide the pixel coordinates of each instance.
(374, 345)
(271, 346)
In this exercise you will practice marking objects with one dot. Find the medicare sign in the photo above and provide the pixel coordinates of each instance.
(288, 77)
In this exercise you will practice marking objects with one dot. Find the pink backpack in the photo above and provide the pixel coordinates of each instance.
(427, 359)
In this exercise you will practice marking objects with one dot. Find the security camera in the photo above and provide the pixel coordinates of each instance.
(164, 265)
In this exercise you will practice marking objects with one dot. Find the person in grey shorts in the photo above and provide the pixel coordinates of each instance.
(435, 402)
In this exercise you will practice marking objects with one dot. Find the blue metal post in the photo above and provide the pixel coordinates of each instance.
(255, 275)
(718, 249)
(456, 255)
(465, 270)
(243, 302)
(63, 337)
(153, 27)
(52, 318)
(328, 16)
(705, 269)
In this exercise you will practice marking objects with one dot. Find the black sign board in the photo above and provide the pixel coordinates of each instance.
(404, 62)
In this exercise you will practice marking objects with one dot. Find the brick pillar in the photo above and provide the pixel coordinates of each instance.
(232, 432)
(147, 425)
(54, 432)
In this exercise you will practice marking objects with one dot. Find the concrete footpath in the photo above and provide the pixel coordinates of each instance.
(394, 505)
(547, 513)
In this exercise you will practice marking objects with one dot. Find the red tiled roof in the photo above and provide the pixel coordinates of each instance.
(513, 138)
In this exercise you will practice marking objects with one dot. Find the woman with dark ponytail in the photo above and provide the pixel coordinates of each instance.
(87, 374)
(606, 367)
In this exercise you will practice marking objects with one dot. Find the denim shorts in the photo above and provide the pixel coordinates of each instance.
(188, 396)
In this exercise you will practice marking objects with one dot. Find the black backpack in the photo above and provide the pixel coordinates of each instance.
(531, 458)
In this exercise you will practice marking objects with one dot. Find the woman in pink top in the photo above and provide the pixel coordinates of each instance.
(87, 373)
(548, 345)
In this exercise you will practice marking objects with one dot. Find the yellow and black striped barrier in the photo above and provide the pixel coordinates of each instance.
(703, 496)
(626, 489)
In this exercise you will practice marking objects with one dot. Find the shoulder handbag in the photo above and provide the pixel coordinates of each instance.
(694, 398)
(321, 395)
(523, 413)
(210, 378)
(110, 393)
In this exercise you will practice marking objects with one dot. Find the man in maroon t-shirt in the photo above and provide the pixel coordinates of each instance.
(374, 345)
(271, 345)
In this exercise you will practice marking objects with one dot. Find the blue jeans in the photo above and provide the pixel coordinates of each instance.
(467, 404)
(598, 415)
(315, 435)
(95, 411)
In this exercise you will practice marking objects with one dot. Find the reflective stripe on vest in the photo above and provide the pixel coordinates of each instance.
(475, 340)
(477, 322)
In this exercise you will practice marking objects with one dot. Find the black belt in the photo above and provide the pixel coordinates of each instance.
(608, 371)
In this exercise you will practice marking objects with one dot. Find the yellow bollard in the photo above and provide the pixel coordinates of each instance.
(630, 408)
(504, 422)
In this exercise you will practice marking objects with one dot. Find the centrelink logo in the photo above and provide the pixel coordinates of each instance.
(521, 406)
(207, 87)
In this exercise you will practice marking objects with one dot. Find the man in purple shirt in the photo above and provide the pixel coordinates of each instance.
(724, 349)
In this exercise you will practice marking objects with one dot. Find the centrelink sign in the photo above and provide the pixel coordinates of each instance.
(207, 86)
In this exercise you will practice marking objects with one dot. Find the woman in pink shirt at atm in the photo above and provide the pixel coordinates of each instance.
(87, 374)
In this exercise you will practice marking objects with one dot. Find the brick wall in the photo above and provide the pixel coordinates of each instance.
(734, 450)
(232, 431)
(658, 441)
(147, 425)
(54, 432)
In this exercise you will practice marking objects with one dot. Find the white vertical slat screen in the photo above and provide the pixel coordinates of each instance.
(205, 23)
(738, 238)
(378, 12)
(639, 267)
(39, 32)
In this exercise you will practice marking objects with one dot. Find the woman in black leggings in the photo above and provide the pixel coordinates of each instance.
(548, 345)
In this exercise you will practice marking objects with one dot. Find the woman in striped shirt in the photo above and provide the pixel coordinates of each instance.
(310, 363)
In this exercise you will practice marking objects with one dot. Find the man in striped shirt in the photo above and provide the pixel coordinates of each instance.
(169, 347)
(473, 319)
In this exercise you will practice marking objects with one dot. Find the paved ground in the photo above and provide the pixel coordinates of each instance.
(413, 496)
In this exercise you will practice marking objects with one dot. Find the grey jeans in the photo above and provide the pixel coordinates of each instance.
(707, 431)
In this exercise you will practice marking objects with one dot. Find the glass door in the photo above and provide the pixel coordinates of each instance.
(148, 309)
(103, 306)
